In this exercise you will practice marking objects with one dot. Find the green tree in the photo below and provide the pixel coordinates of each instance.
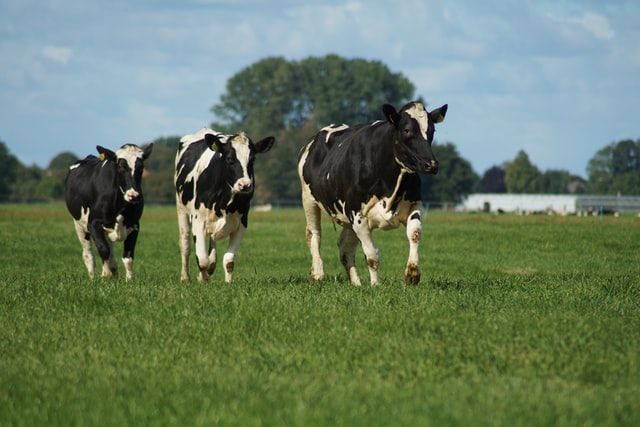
(521, 176)
(28, 186)
(615, 169)
(9, 165)
(52, 183)
(455, 178)
(291, 100)
(554, 181)
(493, 180)
(157, 179)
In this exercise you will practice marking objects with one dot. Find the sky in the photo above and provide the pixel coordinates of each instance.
(557, 79)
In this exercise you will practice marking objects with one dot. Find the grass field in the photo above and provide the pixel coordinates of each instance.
(517, 321)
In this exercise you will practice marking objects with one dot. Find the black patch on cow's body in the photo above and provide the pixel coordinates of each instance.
(92, 184)
(415, 215)
(355, 165)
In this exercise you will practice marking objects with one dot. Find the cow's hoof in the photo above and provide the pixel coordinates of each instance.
(412, 274)
(316, 277)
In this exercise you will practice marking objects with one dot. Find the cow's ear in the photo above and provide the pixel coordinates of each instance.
(213, 142)
(438, 114)
(264, 145)
(391, 114)
(105, 153)
(146, 151)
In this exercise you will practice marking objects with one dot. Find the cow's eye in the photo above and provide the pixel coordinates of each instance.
(230, 160)
(407, 131)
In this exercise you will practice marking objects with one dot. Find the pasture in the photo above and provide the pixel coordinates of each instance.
(517, 321)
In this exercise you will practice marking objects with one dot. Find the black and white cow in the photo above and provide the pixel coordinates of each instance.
(104, 197)
(214, 186)
(365, 178)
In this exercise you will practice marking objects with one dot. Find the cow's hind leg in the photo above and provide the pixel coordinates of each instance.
(183, 240)
(414, 232)
(85, 242)
(348, 242)
(313, 233)
(361, 228)
(109, 266)
(200, 242)
(213, 257)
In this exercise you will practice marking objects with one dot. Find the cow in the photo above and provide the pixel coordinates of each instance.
(214, 185)
(104, 196)
(365, 177)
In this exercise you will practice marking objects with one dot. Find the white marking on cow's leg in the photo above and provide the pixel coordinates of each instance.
(85, 242)
(314, 234)
(109, 266)
(227, 260)
(200, 236)
(361, 228)
(213, 257)
(183, 240)
(128, 267)
(348, 242)
(414, 232)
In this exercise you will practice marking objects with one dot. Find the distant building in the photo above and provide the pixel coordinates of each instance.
(563, 204)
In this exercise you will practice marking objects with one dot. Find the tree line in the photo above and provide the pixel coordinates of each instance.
(292, 100)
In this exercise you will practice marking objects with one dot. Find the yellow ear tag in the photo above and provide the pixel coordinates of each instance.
(101, 157)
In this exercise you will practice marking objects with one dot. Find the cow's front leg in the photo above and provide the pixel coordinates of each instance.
(228, 259)
(129, 249)
(202, 256)
(414, 232)
(109, 266)
(361, 228)
(348, 242)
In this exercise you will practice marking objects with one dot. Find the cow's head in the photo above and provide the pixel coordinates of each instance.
(238, 153)
(129, 166)
(414, 129)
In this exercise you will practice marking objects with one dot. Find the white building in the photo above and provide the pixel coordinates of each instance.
(563, 204)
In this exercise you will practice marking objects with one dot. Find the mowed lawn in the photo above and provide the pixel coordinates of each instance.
(517, 321)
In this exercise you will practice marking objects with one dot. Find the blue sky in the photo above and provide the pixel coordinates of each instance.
(558, 79)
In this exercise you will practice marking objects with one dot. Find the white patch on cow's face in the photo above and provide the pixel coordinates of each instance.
(240, 144)
(130, 154)
(72, 167)
(419, 114)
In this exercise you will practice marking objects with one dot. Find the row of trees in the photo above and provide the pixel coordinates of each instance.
(292, 100)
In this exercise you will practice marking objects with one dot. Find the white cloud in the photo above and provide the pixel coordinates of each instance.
(451, 75)
(575, 27)
(597, 25)
(57, 54)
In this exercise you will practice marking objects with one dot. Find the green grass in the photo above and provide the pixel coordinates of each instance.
(517, 321)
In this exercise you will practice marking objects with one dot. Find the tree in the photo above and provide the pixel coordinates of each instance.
(615, 169)
(455, 178)
(521, 176)
(493, 180)
(9, 165)
(293, 99)
(157, 179)
(52, 183)
(554, 181)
